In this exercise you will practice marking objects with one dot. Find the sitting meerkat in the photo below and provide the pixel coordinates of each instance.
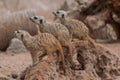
(41, 42)
(56, 29)
(76, 28)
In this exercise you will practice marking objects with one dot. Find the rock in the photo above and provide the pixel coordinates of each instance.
(96, 64)
(16, 46)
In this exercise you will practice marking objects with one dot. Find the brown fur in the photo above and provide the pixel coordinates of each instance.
(76, 28)
(14, 21)
(42, 42)
(56, 29)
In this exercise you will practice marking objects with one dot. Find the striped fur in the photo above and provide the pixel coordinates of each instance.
(42, 42)
(76, 28)
(56, 29)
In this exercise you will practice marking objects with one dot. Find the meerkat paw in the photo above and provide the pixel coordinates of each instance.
(34, 64)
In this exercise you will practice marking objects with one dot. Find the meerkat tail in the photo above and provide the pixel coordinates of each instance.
(91, 41)
(60, 50)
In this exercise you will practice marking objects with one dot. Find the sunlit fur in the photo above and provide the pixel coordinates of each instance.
(42, 42)
(56, 29)
(76, 28)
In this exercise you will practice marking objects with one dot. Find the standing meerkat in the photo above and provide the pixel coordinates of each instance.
(41, 42)
(56, 29)
(76, 28)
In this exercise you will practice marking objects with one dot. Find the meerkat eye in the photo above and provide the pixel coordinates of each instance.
(35, 17)
(57, 12)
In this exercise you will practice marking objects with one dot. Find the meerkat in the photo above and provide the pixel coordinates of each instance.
(42, 42)
(76, 28)
(56, 29)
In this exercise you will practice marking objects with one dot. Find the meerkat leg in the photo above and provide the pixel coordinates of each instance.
(70, 55)
(42, 55)
(91, 41)
(35, 58)
(60, 51)
(48, 51)
(70, 50)
(84, 36)
(65, 43)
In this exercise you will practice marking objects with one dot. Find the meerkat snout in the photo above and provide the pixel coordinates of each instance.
(18, 31)
(54, 13)
(60, 14)
(32, 19)
(15, 32)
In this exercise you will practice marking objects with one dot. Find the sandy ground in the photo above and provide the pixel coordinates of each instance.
(16, 63)
(115, 47)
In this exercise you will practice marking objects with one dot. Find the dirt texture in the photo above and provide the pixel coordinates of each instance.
(91, 64)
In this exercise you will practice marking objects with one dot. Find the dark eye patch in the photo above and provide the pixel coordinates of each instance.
(63, 15)
(35, 17)
(58, 12)
(41, 21)
(22, 36)
(18, 32)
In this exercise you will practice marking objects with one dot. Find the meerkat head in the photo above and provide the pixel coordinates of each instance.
(38, 19)
(21, 34)
(60, 14)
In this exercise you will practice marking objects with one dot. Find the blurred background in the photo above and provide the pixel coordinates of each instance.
(44, 7)
(102, 17)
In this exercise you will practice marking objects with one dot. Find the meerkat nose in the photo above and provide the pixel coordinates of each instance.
(54, 13)
(15, 33)
(18, 31)
(30, 18)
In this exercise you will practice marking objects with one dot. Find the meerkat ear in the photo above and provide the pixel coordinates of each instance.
(41, 21)
(63, 15)
(22, 36)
